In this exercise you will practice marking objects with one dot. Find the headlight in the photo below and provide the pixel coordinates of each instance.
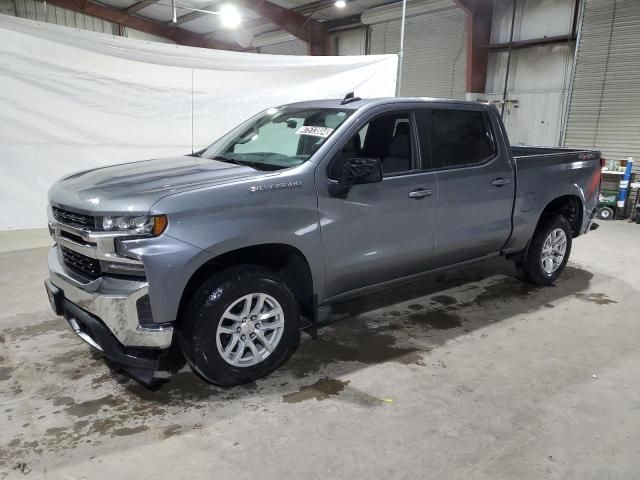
(142, 225)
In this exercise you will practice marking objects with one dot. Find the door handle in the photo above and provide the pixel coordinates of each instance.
(420, 193)
(498, 182)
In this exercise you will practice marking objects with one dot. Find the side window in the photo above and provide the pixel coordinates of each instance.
(461, 137)
(422, 121)
(387, 137)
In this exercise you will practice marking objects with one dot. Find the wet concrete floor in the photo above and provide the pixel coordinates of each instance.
(468, 374)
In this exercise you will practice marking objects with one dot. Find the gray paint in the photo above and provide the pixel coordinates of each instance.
(135, 187)
(375, 236)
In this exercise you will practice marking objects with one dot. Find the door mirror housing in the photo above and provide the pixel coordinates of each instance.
(355, 171)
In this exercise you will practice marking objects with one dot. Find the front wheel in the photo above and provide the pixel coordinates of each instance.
(241, 325)
(549, 251)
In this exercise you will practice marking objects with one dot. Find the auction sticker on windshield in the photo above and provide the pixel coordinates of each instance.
(323, 132)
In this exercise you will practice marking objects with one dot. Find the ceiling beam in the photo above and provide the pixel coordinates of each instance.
(136, 7)
(532, 42)
(471, 6)
(314, 33)
(188, 17)
(309, 8)
(178, 35)
(304, 9)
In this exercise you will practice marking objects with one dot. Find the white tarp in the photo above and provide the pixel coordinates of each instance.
(72, 99)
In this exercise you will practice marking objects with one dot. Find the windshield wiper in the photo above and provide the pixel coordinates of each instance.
(245, 163)
(222, 158)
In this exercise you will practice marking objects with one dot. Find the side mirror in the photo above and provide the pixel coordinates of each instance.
(356, 171)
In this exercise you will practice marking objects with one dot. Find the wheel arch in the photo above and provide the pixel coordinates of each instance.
(570, 207)
(285, 260)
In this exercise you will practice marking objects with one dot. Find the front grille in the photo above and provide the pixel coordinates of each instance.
(88, 266)
(76, 238)
(73, 219)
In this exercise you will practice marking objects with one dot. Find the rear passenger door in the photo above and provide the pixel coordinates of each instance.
(475, 182)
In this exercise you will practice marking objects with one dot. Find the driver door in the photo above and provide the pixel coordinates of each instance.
(381, 231)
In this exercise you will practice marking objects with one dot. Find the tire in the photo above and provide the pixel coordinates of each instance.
(605, 213)
(532, 267)
(217, 346)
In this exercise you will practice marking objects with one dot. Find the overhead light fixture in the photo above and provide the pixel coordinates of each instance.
(230, 16)
(340, 3)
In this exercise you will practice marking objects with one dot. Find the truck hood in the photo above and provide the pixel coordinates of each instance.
(135, 187)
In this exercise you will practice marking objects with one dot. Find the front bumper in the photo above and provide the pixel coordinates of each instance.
(141, 362)
(111, 301)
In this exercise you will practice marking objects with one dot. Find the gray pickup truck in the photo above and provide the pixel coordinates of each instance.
(222, 257)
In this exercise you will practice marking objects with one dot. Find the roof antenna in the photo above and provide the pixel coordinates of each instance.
(349, 97)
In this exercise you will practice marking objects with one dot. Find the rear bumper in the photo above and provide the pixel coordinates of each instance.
(588, 224)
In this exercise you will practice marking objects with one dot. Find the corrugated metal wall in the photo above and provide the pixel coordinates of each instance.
(539, 76)
(7, 7)
(605, 104)
(538, 82)
(349, 42)
(35, 10)
(291, 47)
(434, 52)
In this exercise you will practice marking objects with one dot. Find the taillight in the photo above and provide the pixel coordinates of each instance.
(603, 164)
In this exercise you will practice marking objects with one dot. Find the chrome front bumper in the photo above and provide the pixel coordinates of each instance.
(112, 300)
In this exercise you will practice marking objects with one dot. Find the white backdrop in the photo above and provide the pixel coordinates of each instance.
(72, 99)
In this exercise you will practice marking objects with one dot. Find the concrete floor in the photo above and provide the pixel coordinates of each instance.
(471, 374)
(11, 240)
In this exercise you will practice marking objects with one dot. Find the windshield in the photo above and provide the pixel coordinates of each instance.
(278, 138)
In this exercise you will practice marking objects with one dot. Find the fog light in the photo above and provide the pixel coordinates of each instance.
(143, 306)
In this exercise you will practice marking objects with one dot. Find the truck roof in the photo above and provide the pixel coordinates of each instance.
(371, 102)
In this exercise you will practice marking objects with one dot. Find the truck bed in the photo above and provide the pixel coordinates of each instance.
(547, 173)
(531, 151)
(541, 162)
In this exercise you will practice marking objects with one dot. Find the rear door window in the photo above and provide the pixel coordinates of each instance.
(461, 137)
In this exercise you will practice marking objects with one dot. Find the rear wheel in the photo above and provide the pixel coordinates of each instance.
(549, 251)
(241, 325)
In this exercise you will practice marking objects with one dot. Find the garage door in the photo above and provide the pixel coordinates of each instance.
(605, 105)
(434, 52)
